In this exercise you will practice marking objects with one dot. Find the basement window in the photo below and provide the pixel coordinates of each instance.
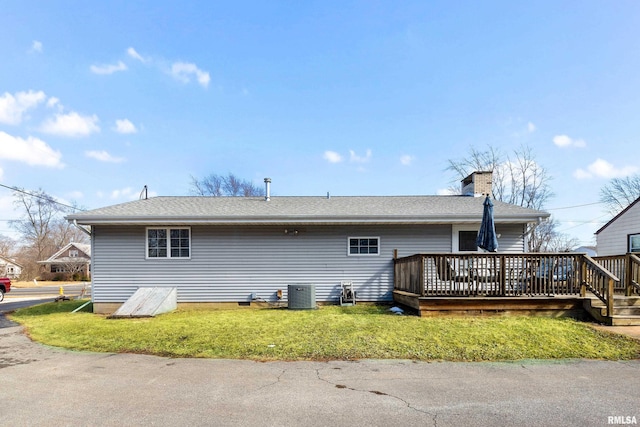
(169, 242)
(363, 246)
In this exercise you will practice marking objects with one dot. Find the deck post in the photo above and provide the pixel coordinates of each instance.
(421, 275)
(503, 276)
(628, 288)
(610, 300)
(583, 277)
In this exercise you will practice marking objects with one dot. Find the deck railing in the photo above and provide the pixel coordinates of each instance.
(626, 268)
(500, 274)
(616, 264)
(599, 281)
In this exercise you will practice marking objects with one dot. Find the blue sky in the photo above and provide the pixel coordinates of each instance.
(98, 99)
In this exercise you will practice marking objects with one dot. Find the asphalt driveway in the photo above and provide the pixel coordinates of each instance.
(42, 386)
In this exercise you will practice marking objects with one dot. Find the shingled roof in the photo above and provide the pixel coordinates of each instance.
(305, 210)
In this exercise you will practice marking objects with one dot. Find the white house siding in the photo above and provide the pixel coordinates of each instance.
(228, 264)
(613, 240)
(511, 238)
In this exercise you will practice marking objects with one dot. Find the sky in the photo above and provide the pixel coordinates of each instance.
(99, 99)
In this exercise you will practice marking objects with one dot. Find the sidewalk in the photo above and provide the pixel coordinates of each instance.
(630, 331)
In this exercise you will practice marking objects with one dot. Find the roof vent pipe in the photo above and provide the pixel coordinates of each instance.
(267, 183)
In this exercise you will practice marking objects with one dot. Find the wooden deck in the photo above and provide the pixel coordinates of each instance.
(551, 284)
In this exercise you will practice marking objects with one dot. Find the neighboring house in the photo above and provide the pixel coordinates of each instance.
(240, 249)
(74, 258)
(622, 233)
(589, 250)
(9, 268)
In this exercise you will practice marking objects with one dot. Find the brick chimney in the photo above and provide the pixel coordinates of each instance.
(477, 184)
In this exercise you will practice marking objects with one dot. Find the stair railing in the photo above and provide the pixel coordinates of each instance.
(598, 280)
(632, 274)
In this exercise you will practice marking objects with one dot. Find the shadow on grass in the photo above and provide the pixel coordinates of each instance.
(54, 308)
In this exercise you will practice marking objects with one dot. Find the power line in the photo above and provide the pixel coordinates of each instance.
(49, 199)
(576, 206)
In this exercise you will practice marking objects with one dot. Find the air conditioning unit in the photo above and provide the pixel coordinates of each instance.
(301, 296)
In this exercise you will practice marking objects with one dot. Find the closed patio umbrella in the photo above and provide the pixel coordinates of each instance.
(487, 238)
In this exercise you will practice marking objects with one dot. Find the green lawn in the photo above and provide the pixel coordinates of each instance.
(360, 332)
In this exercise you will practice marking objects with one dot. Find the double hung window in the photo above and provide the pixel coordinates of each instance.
(169, 242)
(364, 246)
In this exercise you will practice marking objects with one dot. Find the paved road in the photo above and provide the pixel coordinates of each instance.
(69, 290)
(26, 297)
(43, 386)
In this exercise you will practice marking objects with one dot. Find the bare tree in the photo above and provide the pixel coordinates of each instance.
(7, 246)
(546, 238)
(42, 227)
(208, 186)
(517, 179)
(620, 193)
(63, 232)
(218, 186)
(39, 211)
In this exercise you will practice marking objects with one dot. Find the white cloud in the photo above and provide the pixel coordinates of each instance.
(406, 159)
(128, 193)
(32, 151)
(183, 71)
(13, 108)
(76, 195)
(603, 169)
(531, 127)
(135, 55)
(108, 68)
(72, 124)
(125, 126)
(332, 157)
(103, 156)
(54, 102)
(357, 159)
(1, 174)
(565, 141)
(581, 174)
(36, 46)
(123, 193)
(447, 192)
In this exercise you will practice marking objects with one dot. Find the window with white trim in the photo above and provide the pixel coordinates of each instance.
(467, 241)
(73, 253)
(634, 242)
(363, 246)
(168, 242)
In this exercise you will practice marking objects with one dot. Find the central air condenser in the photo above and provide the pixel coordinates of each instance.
(301, 296)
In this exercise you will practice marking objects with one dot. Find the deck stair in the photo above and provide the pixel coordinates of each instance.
(626, 311)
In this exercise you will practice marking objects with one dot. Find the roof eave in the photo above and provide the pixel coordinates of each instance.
(317, 220)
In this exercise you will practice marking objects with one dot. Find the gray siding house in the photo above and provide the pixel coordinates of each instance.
(622, 233)
(243, 249)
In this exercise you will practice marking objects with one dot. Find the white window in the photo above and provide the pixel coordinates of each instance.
(358, 246)
(634, 242)
(73, 253)
(169, 242)
(463, 238)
